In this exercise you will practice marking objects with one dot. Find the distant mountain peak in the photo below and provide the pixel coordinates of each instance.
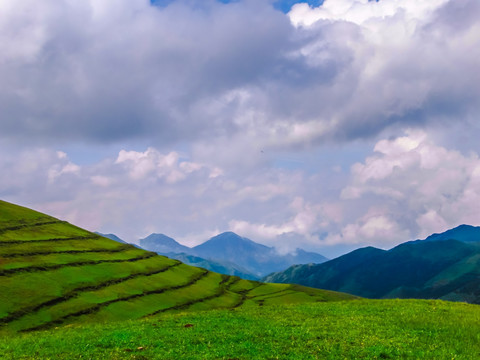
(159, 237)
(163, 244)
(231, 242)
(228, 233)
(111, 237)
(230, 236)
(464, 233)
(465, 226)
(256, 258)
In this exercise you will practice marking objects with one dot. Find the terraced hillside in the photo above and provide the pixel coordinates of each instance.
(54, 273)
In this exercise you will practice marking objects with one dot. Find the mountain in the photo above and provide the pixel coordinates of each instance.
(53, 273)
(231, 247)
(219, 267)
(464, 233)
(301, 256)
(230, 254)
(330, 273)
(436, 268)
(163, 244)
(256, 258)
(111, 237)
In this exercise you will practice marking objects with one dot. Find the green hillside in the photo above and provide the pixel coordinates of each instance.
(53, 273)
(446, 269)
(364, 329)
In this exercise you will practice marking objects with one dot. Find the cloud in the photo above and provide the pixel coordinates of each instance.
(408, 187)
(304, 221)
(110, 70)
(211, 73)
(151, 162)
(407, 68)
(429, 188)
(373, 228)
(370, 14)
(138, 192)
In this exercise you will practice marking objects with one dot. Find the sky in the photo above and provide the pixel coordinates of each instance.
(324, 125)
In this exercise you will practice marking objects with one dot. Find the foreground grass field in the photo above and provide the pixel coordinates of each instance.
(363, 329)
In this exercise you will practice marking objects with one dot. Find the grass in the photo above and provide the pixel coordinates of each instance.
(27, 262)
(51, 229)
(27, 289)
(364, 329)
(11, 213)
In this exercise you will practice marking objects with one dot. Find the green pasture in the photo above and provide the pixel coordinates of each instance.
(363, 329)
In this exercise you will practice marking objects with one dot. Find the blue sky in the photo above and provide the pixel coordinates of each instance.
(327, 126)
(282, 5)
(286, 5)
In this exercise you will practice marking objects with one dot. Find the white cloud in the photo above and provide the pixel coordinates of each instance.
(429, 187)
(364, 12)
(374, 228)
(151, 162)
(408, 187)
(101, 180)
(65, 167)
(303, 222)
(393, 155)
(401, 56)
(145, 191)
(238, 74)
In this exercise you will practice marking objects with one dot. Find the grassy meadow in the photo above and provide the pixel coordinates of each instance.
(363, 329)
